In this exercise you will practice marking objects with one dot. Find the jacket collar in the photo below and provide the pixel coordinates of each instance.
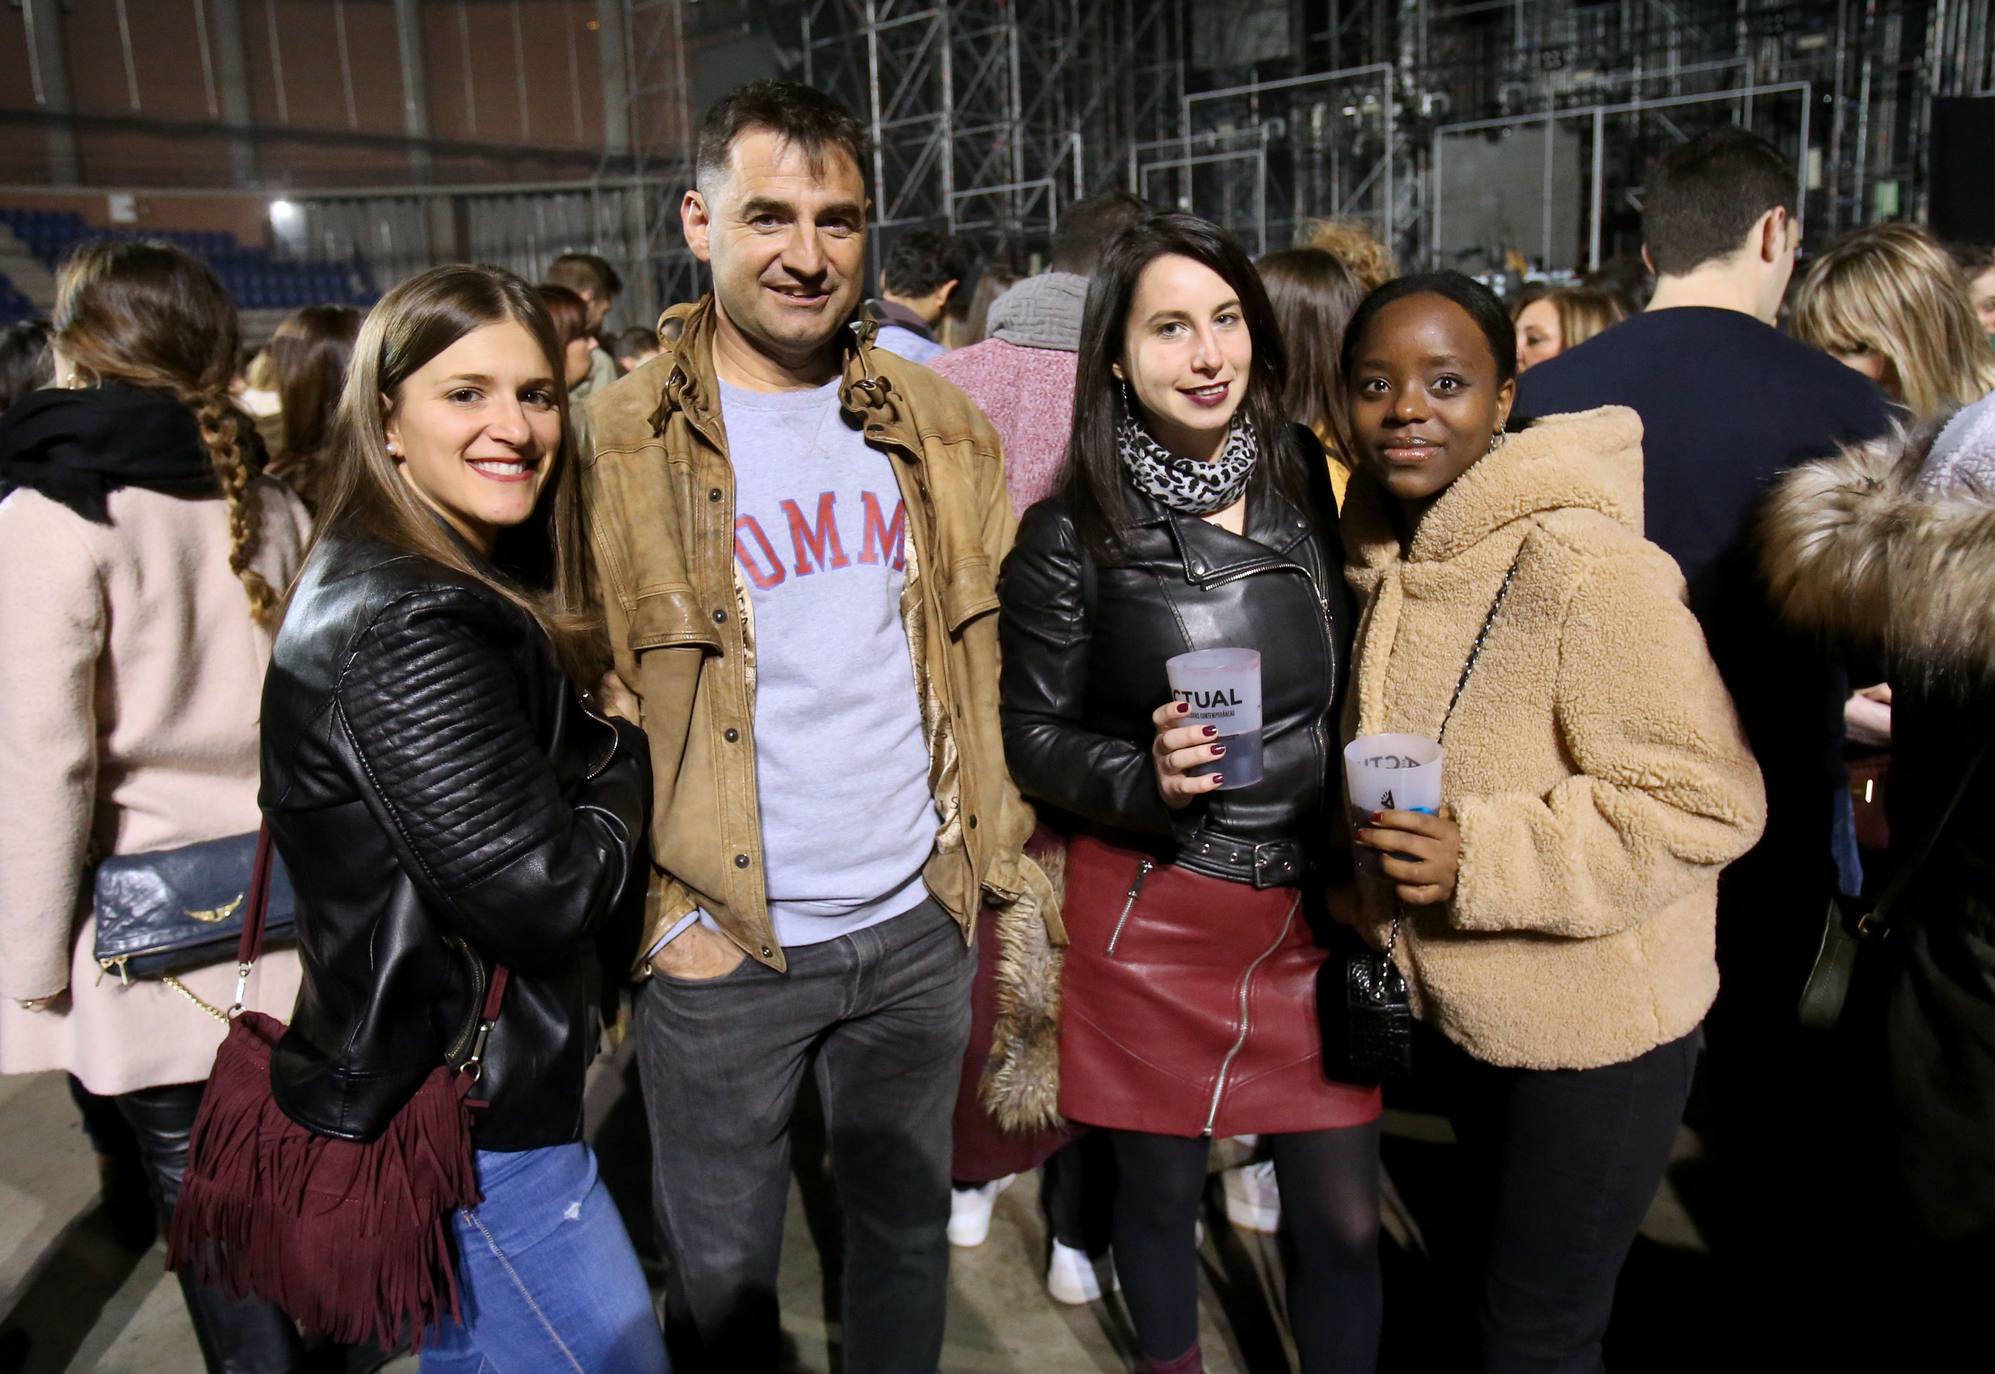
(1212, 554)
(693, 387)
(1591, 460)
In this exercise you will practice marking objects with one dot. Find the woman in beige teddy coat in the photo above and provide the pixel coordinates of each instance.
(1557, 916)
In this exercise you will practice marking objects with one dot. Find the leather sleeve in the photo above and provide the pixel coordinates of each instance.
(452, 769)
(1044, 630)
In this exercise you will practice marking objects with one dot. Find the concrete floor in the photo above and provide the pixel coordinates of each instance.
(89, 1306)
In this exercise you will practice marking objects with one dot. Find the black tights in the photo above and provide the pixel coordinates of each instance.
(1329, 1190)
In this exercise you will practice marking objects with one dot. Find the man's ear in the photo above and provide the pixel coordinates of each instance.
(945, 293)
(1772, 234)
(1649, 261)
(696, 219)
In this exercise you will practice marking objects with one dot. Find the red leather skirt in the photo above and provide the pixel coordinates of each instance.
(1188, 1005)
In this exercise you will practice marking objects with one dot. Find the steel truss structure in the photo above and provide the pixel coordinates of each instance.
(1462, 132)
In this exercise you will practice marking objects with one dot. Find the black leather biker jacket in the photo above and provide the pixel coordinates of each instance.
(444, 803)
(1084, 650)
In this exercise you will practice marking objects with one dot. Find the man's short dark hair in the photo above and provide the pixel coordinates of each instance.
(1705, 194)
(586, 275)
(920, 260)
(796, 113)
(1089, 226)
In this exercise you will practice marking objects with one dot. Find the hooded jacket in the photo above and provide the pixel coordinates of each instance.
(1890, 549)
(659, 491)
(1594, 763)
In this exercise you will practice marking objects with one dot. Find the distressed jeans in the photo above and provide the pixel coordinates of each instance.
(880, 1017)
(547, 1280)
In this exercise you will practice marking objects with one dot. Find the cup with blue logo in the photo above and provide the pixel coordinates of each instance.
(1390, 773)
(1223, 689)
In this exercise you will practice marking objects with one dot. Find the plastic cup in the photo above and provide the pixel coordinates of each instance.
(1390, 773)
(1223, 689)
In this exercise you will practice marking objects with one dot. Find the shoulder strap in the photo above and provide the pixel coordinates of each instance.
(1475, 649)
(1902, 880)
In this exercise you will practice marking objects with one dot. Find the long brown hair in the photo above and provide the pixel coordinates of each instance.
(309, 354)
(539, 565)
(1096, 482)
(152, 315)
(1314, 296)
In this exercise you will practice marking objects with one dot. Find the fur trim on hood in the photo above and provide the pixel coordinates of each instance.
(1854, 546)
(1591, 460)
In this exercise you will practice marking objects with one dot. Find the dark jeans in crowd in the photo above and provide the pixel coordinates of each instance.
(1329, 1184)
(881, 1018)
(1562, 1165)
(237, 1335)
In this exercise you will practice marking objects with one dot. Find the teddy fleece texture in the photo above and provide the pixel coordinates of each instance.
(1594, 764)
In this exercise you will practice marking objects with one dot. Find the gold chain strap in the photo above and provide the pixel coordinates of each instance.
(194, 997)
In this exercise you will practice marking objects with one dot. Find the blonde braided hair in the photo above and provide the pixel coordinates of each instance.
(153, 315)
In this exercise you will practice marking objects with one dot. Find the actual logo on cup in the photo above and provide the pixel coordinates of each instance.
(1391, 761)
(1386, 803)
(1208, 701)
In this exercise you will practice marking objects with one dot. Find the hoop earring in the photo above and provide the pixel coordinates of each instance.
(1497, 439)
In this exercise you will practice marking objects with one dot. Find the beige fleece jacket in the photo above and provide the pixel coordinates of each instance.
(1595, 764)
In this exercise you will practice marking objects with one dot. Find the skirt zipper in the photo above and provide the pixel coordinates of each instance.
(1129, 902)
(1240, 1040)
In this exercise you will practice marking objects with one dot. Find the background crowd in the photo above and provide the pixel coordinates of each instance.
(1665, 556)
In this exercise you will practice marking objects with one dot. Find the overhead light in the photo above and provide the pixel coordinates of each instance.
(283, 212)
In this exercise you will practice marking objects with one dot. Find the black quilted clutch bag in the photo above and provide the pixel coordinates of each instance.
(174, 909)
(1378, 1021)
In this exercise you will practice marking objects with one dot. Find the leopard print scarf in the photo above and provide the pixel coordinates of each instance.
(1184, 484)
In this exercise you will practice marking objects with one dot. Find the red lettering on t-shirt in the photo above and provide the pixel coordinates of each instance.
(814, 542)
(770, 573)
(882, 538)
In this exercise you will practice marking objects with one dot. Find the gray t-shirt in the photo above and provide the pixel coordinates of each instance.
(841, 768)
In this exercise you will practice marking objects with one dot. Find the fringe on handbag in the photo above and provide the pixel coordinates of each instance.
(348, 1238)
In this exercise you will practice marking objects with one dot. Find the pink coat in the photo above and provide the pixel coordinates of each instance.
(130, 680)
(1028, 395)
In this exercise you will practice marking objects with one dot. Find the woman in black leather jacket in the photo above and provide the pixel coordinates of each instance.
(1194, 516)
(446, 806)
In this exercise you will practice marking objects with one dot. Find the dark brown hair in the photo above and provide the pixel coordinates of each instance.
(538, 566)
(1095, 482)
(309, 354)
(567, 310)
(581, 272)
(1705, 194)
(152, 315)
(1314, 296)
(799, 114)
(1087, 228)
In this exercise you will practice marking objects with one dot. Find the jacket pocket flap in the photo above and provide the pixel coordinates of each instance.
(969, 591)
(670, 616)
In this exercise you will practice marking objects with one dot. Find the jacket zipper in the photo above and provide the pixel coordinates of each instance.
(1129, 901)
(462, 1044)
(1240, 1040)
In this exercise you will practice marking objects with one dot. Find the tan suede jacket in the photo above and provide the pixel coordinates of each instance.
(1594, 762)
(659, 492)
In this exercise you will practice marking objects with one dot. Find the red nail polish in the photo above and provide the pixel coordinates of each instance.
(1218, 749)
(1218, 779)
(1375, 816)
(1184, 707)
(1211, 730)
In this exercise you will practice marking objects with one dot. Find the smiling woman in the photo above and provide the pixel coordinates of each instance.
(418, 728)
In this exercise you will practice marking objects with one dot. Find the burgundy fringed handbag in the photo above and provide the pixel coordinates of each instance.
(348, 1239)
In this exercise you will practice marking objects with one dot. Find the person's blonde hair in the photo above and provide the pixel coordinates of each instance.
(538, 566)
(1893, 290)
(152, 315)
(1585, 311)
(1353, 245)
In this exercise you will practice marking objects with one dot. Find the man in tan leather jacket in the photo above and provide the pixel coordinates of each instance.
(796, 539)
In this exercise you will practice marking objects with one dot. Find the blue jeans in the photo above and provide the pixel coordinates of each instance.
(546, 1276)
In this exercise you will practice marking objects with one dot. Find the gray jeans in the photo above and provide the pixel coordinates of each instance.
(881, 1017)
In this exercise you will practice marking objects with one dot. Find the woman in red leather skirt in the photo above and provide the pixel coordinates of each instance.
(1194, 516)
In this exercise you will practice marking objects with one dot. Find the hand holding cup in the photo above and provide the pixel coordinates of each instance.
(1177, 749)
(1420, 854)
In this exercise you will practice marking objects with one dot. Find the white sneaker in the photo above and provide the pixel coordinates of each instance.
(970, 1211)
(1252, 1199)
(1074, 1279)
